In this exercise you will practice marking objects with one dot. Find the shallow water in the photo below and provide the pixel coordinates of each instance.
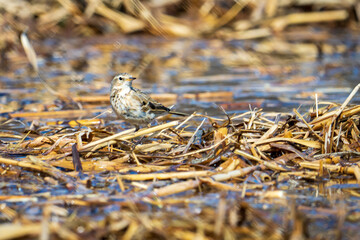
(273, 81)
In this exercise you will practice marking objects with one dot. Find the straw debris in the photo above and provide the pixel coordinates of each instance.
(173, 161)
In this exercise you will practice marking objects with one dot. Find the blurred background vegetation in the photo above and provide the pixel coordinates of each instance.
(241, 19)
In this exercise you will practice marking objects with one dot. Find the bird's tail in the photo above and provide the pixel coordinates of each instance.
(178, 113)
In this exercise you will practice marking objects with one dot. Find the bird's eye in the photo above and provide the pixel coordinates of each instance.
(120, 78)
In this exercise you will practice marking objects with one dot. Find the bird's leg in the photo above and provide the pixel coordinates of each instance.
(137, 127)
(142, 137)
(137, 143)
(154, 121)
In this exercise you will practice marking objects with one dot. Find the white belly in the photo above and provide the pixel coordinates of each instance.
(129, 108)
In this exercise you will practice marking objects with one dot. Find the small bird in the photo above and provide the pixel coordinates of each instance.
(133, 105)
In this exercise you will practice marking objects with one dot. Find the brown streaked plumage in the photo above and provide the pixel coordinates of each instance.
(132, 105)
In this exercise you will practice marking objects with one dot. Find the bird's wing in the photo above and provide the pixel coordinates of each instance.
(149, 104)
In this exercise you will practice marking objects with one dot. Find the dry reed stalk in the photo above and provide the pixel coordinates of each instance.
(140, 10)
(346, 102)
(234, 174)
(29, 51)
(57, 174)
(204, 149)
(348, 153)
(231, 13)
(307, 143)
(357, 173)
(309, 127)
(258, 123)
(55, 114)
(63, 231)
(274, 166)
(331, 168)
(263, 176)
(8, 212)
(144, 168)
(17, 230)
(248, 156)
(274, 194)
(290, 148)
(32, 57)
(167, 201)
(120, 182)
(192, 139)
(50, 19)
(152, 147)
(305, 174)
(126, 135)
(325, 119)
(175, 27)
(266, 135)
(135, 158)
(249, 34)
(139, 185)
(225, 119)
(220, 186)
(262, 154)
(254, 153)
(186, 120)
(126, 22)
(271, 7)
(131, 230)
(278, 24)
(71, 7)
(17, 198)
(163, 176)
(175, 188)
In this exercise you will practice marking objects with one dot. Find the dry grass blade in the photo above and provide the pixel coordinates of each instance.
(332, 168)
(30, 52)
(310, 128)
(175, 188)
(12, 231)
(357, 174)
(162, 176)
(39, 167)
(307, 143)
(229, 15)
(126, 22)
(247, 155)
(348, 99)
(126, 135)
(31, 55)
(234, 174)
(280, 23)
(192, 139)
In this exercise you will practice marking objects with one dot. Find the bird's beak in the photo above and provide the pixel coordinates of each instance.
(130, 79)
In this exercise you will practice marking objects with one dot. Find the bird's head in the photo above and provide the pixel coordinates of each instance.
(122, 79)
